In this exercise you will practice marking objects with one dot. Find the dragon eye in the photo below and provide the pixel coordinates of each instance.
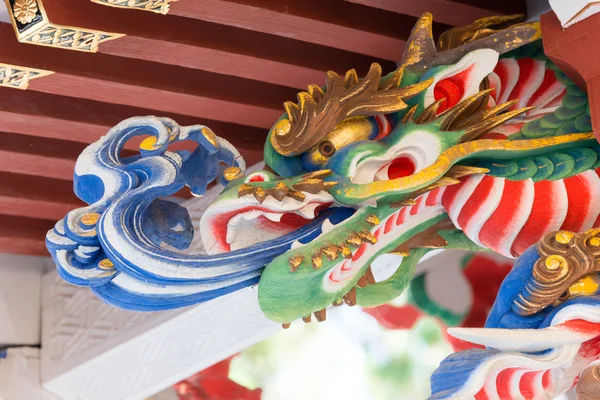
(326, 148)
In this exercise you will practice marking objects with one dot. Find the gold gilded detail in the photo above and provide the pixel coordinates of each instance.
(232, 173)
(449, 157)
(295, 263)
(562, 271)
(210, 136)
(318, 112)
(282, 127)
(479, 29)
(555, 262)
(16, 77)
(25, 10)
(372, 219)
(346, 132)
(155, 6)
(586, 286)
(106, 264)
(317, 260)
(367, 237)
(354, 240)
(149, 143)
(331, 252)
(564, 237)
(90, 219)
(495, 33)
(311, 183)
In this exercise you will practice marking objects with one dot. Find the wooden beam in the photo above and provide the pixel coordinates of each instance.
(24, 235)
(79, 120)
(335, 23)
(53, 158)
(44, 198)
(138, 83)
(504, 6)
(40, 157)
(452, 12)
(211, 47)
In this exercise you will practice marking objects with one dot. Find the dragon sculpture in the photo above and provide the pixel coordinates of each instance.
(478, 143)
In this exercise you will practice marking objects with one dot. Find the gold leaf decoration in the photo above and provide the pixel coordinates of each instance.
(25, 10)
(155, 6)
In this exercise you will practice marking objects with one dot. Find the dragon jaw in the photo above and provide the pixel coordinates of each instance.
(242, 222)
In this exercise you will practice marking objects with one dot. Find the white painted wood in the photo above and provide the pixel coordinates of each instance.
(167, 394)
(4, 13)
(20, 288)
(20, 375)
(573, 11)
(91, 351)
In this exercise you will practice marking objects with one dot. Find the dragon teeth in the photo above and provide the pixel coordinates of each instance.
(275, 217)
(234, 223)
(308, 211)
(327, 226)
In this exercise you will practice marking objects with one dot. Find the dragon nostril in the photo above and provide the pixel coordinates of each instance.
(401, 167)
(256, 178)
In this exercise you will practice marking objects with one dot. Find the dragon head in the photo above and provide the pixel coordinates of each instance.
(368, 159)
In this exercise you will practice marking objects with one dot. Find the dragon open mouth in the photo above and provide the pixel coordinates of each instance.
(235, 226)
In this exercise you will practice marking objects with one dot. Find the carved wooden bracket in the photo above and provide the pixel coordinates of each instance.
(32, 25)
(575, 51)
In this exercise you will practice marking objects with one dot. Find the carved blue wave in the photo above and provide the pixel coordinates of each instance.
(135, 225)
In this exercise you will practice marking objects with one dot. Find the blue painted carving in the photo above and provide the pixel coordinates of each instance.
(527, 356)
(125, 244)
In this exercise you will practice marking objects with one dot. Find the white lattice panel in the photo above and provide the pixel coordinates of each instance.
(91, 351)
(19, 375)
(20, 287)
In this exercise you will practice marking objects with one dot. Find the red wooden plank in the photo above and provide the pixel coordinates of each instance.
(333, 23)
(504, 6)
(52, 158)
(46, 198)
(36, 165)
(23, 235)
(453, 12)
(168, 89)
(32, 247)
(58, 117)
(211, 47)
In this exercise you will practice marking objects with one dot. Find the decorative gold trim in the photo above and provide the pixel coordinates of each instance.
(37, 29)
(155, 6)
(16, 77)
(65, 37)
